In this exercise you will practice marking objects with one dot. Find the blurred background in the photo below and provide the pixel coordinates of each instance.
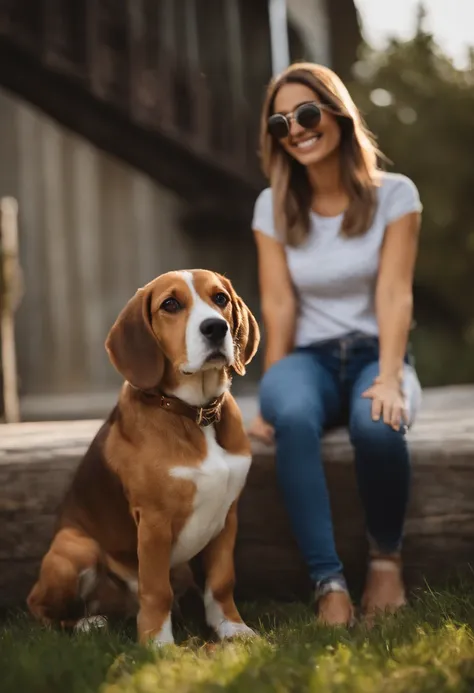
(129, 137)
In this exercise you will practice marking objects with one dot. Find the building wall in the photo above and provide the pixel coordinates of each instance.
(310, 19)
(92, 230)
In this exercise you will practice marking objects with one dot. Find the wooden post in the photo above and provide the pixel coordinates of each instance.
(236, 63)
(11, 286)
(280, 45)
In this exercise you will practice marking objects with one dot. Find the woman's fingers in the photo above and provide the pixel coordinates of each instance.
(399, 416)
(396, 418)
(377, 408)
(388, 411)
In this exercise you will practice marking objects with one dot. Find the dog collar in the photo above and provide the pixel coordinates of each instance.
(203, 416)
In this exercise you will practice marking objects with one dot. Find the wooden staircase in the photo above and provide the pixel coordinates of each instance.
(166, 88)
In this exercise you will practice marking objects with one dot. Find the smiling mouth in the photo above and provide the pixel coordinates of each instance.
(307, 144)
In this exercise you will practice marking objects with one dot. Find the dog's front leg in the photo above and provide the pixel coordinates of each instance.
(218, 558)
(154, 587)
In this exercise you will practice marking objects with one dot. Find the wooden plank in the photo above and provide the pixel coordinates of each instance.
(86, 231)
(33, 325)
(11, 291)
(37, 461)
(56, 250)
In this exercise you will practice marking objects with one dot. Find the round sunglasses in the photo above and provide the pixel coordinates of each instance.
(308, 115)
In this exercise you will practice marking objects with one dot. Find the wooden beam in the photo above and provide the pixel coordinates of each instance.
(439, 532)
(167, 157)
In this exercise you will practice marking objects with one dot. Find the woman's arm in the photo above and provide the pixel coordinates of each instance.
(277, 298)
(394, 309)
(394, 292)
(279, 307)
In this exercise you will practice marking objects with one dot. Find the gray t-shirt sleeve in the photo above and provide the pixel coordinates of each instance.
(263, 214)
(402, 198)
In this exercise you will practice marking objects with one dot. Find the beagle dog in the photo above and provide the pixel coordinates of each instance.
(160, 482)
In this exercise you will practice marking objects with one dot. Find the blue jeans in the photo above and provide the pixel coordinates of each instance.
(316, 388)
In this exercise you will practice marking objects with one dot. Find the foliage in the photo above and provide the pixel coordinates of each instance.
(421, 109)
(429, 647)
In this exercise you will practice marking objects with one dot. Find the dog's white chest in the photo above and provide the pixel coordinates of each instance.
(218, 479)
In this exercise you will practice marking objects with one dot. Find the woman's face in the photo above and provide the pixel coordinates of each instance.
(309, 147)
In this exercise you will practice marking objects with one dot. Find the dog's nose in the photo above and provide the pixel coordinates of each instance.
(214, 329)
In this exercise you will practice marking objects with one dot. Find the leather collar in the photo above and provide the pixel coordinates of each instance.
(203, 416)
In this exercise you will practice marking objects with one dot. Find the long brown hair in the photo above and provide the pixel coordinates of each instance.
(292, 192)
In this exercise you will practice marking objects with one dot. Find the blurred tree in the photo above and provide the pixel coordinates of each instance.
(421, 108)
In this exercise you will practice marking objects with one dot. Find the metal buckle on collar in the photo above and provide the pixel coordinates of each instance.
(164, 403)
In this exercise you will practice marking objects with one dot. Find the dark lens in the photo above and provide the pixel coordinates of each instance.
(308, 115)
(278, 126)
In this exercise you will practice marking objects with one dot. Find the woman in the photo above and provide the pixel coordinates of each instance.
(337, 242)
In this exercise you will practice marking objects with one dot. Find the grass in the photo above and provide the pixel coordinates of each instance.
(427, 648)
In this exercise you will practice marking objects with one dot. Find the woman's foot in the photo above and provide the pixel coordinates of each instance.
(384, 589)
(335, 609)
(261, 430)
(333, 603)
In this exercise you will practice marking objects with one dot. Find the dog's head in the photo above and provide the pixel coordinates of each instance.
(184, 322)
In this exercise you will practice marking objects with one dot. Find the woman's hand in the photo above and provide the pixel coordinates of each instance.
(262, 430)
(387, 402)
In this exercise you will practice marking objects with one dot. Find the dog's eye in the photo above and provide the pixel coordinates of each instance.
(220, 299)
(171, 305)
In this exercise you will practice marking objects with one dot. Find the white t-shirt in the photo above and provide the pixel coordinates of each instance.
(335, 276)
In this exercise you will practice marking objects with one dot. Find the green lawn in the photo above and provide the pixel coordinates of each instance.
(429, 647)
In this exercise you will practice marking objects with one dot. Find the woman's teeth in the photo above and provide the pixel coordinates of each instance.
(305, 144)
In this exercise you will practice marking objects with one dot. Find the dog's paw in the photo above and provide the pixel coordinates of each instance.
(160, 641)
(228, 630)
(85, 625)
(159, 644)
(164, 636)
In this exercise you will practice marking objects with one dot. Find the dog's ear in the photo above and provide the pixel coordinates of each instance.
(132, 345)
(246, 333)
(247, 336)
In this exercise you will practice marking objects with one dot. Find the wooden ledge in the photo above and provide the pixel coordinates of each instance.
(37, 461)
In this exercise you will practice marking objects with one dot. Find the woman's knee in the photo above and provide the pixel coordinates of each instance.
(364, 430)
(285, 398)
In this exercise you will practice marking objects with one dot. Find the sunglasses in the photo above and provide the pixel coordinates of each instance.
(308, 115)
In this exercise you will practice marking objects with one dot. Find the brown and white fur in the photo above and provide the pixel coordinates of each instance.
(155, 488)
